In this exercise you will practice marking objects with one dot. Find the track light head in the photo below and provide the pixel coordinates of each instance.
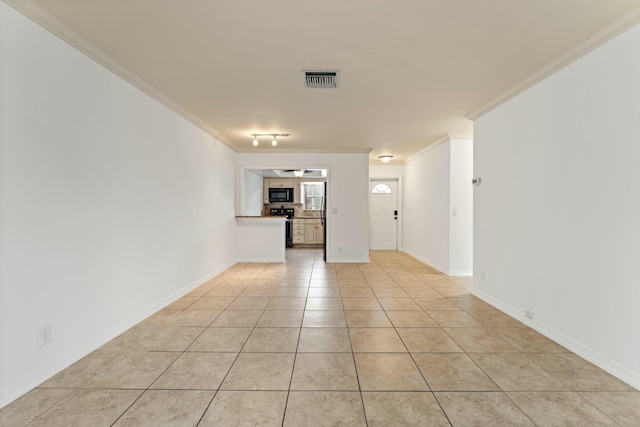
(274, 137)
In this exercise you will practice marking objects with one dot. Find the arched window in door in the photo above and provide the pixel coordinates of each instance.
(381, 189)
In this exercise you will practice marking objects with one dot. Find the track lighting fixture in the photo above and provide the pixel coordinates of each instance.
(274, 141)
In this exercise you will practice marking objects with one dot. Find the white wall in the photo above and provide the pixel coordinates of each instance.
(386, 171)
(557, 227)
(110, 205)
(253, 197)
(461, 238)
(425, 233)
(347, 191)
(437, 180)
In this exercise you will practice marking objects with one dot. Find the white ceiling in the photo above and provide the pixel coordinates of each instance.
(410, 70)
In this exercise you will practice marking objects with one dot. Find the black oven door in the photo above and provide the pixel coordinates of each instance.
(288, 233)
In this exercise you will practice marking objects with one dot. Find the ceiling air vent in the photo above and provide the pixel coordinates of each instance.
(321, 79)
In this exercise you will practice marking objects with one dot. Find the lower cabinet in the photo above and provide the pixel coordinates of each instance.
(320, 234)
(308, 231)
(298, 230)
(314, 231)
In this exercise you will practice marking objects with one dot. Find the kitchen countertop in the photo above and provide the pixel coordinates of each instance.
(261, 216)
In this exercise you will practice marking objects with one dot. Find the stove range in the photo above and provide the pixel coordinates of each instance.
(288, 229)
(288, 212)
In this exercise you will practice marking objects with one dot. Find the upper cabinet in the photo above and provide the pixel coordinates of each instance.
(281, 183)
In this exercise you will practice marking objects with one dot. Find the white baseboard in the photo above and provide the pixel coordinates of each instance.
(12, 392)
(265, 260)
(348, 260)
(430, 263)
(587, 353)
(461, 273)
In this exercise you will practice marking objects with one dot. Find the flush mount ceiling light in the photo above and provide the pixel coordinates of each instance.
(386, 158)
(298, 173)
(274, 142)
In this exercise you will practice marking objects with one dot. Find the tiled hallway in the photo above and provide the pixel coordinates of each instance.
(390, 343)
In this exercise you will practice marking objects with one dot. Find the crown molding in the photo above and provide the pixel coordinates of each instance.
(63, 31)
(431, 146)
(597, 39)
(457, 136)
(303, 151)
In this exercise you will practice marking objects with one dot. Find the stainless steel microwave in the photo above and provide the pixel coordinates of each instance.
(280, 195)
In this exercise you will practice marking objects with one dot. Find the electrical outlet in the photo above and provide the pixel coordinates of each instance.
(529, 314)
(339, 248)
(482, 278)
(45, 335)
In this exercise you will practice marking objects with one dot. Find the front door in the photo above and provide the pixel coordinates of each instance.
(383, 205)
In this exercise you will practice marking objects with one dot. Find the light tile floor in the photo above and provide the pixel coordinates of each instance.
(390, 343)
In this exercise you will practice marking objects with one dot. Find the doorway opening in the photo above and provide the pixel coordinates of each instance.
(300, 194)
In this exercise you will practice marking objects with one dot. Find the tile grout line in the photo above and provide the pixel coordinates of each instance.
(228, 370)
(230, 366)
(172, 363)
(412, 358)
(295, 357)
(353, 355)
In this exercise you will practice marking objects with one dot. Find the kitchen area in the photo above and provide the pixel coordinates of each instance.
(301, 200)
(296, 195)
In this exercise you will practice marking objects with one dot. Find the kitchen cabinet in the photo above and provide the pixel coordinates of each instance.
(299, 230)
(314, 231)
(281, 183)
(309, 231)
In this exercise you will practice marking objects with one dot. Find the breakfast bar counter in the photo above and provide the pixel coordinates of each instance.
(261, 238)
